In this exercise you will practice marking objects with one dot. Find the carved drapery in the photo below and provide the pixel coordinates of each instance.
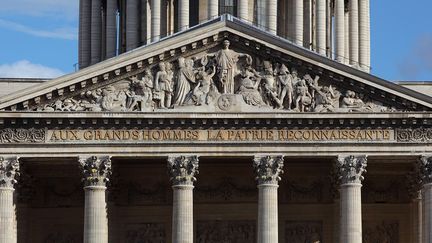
(351, 168)
(96, 170)
(268, 169)
(9, 171)
(183, 169)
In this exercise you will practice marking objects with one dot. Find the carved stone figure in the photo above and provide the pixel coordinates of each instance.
(270, 86)
(146, 233)
(285, 86)
(143, 91)
(226, 61)
(383, 232)
(303, 232)
(304, 98)
(185, 78)
(326, 99)
(249, 87)
(351, 101)
(200, 94)
(163, 88)
(226, 231)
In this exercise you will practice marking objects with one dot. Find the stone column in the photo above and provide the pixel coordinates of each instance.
(363, 34)
(85, 32)
(132, 24)
(425, 166)
(339, 30)
(298, 22)
(111, 28)
(272, 16)
(213, 8)
(9, 171)
(183, 14)
(155, 19)
(268, 170)
(96, 31)
(243, 10)
(307, 22)
(321, 27)
(346, 37)
(351, 169)
(354, 32)
(96, 171)
(182, 170)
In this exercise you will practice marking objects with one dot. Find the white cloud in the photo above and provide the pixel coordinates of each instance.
(67, 33)
(58, 8)
(26, 69)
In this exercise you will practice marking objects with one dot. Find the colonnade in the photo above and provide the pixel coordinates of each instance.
(183, 170)
(338, 29)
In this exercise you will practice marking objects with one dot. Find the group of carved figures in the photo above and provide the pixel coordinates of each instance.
(202, 79)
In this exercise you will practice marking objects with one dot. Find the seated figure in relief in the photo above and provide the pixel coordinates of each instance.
(250, 81)
(351, 101)
(326, 99)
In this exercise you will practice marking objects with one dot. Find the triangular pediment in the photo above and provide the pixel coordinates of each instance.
(195, 71)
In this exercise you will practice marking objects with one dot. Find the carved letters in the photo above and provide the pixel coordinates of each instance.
(213, 80)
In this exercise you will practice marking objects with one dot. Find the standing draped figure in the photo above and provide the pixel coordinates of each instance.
(185, 77)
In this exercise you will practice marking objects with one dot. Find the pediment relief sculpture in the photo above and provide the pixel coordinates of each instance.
(221, 80)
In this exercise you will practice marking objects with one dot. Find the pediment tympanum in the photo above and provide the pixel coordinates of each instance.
(224, 72)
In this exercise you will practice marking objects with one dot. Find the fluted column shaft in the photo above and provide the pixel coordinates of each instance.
(155, 19)
(347, 44)
(243, 9)
(321, 26)
(268, 170)
(182, 170)
(132, 37)
(96, 172)
(298, 22)
(9, 168)
(354, 32)
(351, 169)
(7, 215)
(363, 34)
(96, 32)
(183, 14)
(272, 16)
(213, 8)
(111, 28)
(339, 30)
(307, 23)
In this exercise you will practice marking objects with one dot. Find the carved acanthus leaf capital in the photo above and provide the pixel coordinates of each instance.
(96, 170)
(351, 168)
(425, 169)
(268, 169)
(183, 169)
(9, 171)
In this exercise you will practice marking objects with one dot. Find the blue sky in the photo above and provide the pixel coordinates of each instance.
(39, 38)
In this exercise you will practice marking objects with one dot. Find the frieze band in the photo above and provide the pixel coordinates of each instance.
(33, 135)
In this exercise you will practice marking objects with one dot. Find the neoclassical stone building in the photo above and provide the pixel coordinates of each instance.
(222, 132)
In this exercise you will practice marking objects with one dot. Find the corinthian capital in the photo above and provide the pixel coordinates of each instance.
(9, 171)
(351, 168)
(268, 169)
(182, 169)
(425, 169)
(96, 170)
